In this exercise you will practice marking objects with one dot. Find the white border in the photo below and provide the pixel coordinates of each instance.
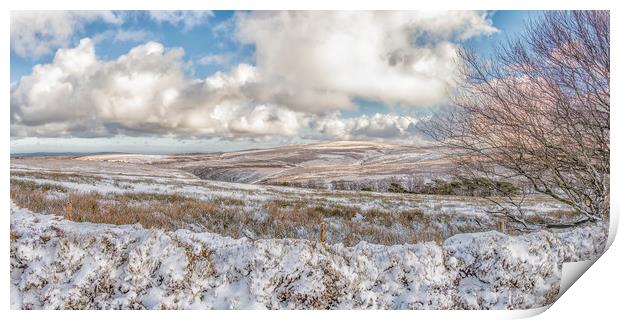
(595, 294)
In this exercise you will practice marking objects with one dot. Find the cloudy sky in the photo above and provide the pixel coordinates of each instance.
(164, 81)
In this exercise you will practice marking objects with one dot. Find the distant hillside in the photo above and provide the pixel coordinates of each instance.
(346, 165)
(333, 165)
(54, 154)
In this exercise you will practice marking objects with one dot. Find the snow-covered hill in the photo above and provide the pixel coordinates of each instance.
(338, 164)
(349, 164)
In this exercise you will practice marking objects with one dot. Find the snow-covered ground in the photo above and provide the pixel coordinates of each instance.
(61, 264)
(446, 215)
(113, 177)
(126, 158)
(57, 263)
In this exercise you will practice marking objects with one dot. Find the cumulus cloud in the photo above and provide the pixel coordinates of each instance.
(309, 66)
(37, 33)
(188, 19)
(312, 61)
(145, 92)
(377, 126)
(142, 92)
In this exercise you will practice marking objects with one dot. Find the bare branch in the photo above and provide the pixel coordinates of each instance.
(538, 111)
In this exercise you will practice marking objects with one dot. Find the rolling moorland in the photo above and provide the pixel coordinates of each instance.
(334, 165)
(243, 230)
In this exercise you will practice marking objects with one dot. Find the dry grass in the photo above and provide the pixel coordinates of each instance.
(13, 236)
(56, 176)
(150, 210)
(405, 218)
(280, 218)
(554, 216)
(31, 185)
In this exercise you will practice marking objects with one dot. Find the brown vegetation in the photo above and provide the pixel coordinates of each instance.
(230, 217)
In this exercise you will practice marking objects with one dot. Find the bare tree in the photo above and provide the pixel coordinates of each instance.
(538, 111)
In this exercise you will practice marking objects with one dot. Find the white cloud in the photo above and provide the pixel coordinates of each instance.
(377, 126)
(309, 66)
(189, 19)
(130, 35)
(143, 92)
(122, 35)
(37, 33)
(214, 59)
(313, 61)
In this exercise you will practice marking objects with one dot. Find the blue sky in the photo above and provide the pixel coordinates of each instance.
(197, 42)
(212, 44)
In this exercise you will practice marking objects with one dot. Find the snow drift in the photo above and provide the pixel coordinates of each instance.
(60, 264)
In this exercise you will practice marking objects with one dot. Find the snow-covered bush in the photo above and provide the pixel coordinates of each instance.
(61, 264)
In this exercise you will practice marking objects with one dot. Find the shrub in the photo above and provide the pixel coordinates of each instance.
(396, 188)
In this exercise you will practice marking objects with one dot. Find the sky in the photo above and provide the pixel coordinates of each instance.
(200, 81)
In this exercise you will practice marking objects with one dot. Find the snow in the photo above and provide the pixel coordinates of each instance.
(494, 269)
(131, 182)
(125, 158)
(60, 264)
(357, 217)
(584, 243)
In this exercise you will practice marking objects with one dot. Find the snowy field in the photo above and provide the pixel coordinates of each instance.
(257, 211)
(146, 236)
(60, 264)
